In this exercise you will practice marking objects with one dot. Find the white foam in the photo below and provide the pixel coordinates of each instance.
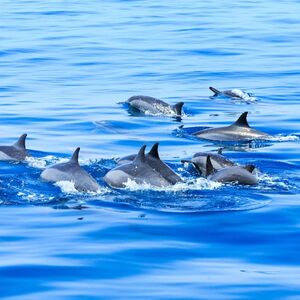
(192, 184)
(271, 181)
(242, 94)
(164, 111)
(284, 138)
(33, 197)
(43, 162)
(68, 187)
(40, 162)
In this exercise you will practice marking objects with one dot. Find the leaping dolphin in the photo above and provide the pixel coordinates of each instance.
(234, 93)
(16, 152)
(234, 174)
(143, 168)
(71, 171)
(239, 131)
(150, 105)
(199, 161)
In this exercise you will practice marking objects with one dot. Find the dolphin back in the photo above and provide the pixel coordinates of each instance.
(71, 171)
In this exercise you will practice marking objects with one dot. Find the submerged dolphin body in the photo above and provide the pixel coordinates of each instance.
(239, 131)
(150, 105)
(218, 161)
(126, 159)
(143, 169)
(16, 152)
(234, 174)
(235, 94)
(71, 171)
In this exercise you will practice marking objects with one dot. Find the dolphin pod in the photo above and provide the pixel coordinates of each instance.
(239, 131)
(150, 105)
(149, 168)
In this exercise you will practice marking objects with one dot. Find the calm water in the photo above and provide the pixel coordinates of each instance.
(65, 66)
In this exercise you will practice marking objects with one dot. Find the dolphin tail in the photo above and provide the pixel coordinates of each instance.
(209, 166)
(141, 157)
(215, 91)
(178, 108)
(154, 151)
(75, 155)
(242, 120)
(249, 168)
(20, 143)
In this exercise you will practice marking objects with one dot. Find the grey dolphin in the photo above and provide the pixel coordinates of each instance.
(218, 161)
(140, 171)
(234, 174)
(153, 159)
(234, 93)
(71, 171)
(146, 104)
(126, 159)
(238, 131)
(16, 152)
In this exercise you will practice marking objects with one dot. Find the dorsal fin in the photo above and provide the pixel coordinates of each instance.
(214, 90)
(20, 143)
(249, 168)
(154, 151)
(141, 158)
(242, 120)
(209, 166)
(220, 151)
(178, 108)
(75, 155)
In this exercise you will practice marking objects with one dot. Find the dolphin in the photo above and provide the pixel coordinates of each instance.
(234, 94)
(126, 159)
(143, 169)
(153, 159)
(234, 174)
(239, 131)
(218, 161)
(146, 104)
(71, 171)
(16, 152)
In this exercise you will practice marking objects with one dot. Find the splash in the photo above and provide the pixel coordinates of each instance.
(68, 187)
(40, 162)
(244, 95)
(190, 184)
(271, 182)
(284, 138)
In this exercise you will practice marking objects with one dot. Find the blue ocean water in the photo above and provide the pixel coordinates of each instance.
(65, 66)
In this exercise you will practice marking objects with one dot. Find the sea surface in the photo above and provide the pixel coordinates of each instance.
(66, 67)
